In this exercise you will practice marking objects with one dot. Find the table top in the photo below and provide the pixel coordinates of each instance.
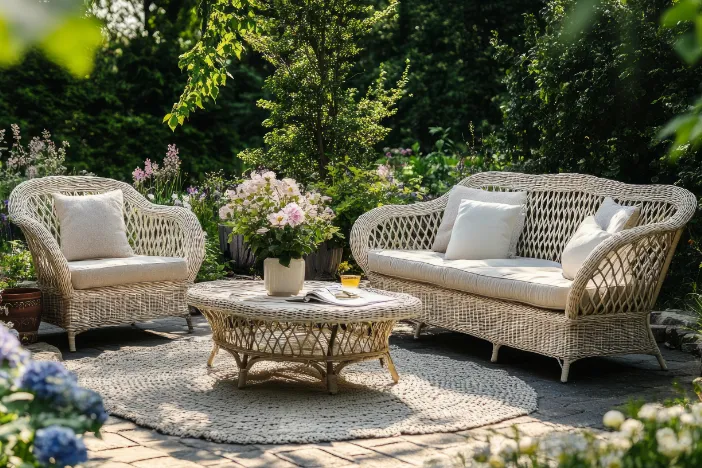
(249, 299)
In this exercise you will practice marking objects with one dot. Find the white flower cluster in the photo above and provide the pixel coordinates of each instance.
(675, 432)
(282, 202)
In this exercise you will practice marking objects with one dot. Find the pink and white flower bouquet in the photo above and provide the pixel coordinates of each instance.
(277, 218)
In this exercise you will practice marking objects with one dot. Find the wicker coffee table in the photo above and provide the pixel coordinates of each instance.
(253, 327)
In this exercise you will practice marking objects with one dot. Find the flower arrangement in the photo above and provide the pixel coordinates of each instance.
(654, 436)
(277, 218)
(43, 411)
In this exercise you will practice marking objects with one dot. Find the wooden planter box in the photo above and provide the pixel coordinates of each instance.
(320, 265)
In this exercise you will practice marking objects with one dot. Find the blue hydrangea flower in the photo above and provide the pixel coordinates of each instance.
(59, 446)
(11, 351)
(89, 403)
(48, 380)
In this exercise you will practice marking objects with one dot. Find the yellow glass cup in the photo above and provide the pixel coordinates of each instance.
(350, 281)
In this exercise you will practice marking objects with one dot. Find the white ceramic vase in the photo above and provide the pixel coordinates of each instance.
(283, 281)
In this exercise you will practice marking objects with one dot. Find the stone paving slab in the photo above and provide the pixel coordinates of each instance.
(596, 385)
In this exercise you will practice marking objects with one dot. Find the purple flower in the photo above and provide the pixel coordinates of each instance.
(11, 352)
(149, 168)
(89, 403)
(48, 380)
(59, 446)
(388, 154)
(192, 190)
(138, 175)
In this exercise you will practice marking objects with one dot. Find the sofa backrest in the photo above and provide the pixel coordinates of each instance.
(34, 198)
(557, 203)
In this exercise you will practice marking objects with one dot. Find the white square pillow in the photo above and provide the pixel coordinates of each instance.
(459, 193)
(483, 230)
(586, 238)
(92, 226)
(613, 217)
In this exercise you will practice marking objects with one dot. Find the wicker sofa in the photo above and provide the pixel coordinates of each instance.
(603, 311)
(158, 235)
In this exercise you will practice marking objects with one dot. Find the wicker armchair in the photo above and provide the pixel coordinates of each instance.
(152, 230)
(610, 299)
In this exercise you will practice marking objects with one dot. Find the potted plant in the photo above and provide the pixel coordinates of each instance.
(281, 224)
(19, 306)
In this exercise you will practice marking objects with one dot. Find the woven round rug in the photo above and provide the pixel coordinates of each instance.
(169, 388)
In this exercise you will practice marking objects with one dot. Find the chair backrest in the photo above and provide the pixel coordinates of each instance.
(557, 203)
(34, 198)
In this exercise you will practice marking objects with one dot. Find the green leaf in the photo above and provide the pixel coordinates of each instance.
(167, 118)
(73, 45)
(685, 10)
(10, 48)
(688, 48)
(173, 122)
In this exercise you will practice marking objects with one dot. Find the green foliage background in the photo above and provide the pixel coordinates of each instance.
(594, 105)
(113, 119)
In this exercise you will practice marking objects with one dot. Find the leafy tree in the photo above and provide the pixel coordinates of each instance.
(113, 118)
(455, 76)
(594, 104)
(316, 118)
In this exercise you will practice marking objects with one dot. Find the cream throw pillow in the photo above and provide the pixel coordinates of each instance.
(613, 217)
(586, 238)
(458, 194)
(92, 226)
(483, 230)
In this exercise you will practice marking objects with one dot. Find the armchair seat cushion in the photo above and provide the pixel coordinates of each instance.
(527, 280)
(100, 273)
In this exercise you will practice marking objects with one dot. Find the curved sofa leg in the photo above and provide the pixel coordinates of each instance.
(418, 329)
(661, 361)
(495, 350)
(565, 370)
(72, 341)
(189, 321)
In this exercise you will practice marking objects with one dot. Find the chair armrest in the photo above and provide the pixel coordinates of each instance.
(49, 262)
(396, 227)
(167, 231)
(625, 273)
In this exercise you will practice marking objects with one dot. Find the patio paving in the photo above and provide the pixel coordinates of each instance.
(597, 385)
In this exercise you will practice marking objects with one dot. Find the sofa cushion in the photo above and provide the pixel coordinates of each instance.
(613, 217)
(459, 193)
(99, 273)
(483, 230)
(586, 239)
(92, 226)
(528, 280)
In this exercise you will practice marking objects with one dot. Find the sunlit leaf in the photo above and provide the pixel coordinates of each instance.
(10, 49)
(73, 44)
(685, 10)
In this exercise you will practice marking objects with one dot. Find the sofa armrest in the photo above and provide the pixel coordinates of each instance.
(167, 231)
(396, 227)
(625, 273)
(49, 262)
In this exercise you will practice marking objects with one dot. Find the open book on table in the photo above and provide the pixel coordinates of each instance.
(335, 294)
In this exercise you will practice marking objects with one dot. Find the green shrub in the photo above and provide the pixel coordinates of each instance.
(594, 105)
(15, 264)
(357, 190)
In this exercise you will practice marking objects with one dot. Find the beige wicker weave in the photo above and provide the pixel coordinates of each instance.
(254, 327)
(151, 229)
(608, 306)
